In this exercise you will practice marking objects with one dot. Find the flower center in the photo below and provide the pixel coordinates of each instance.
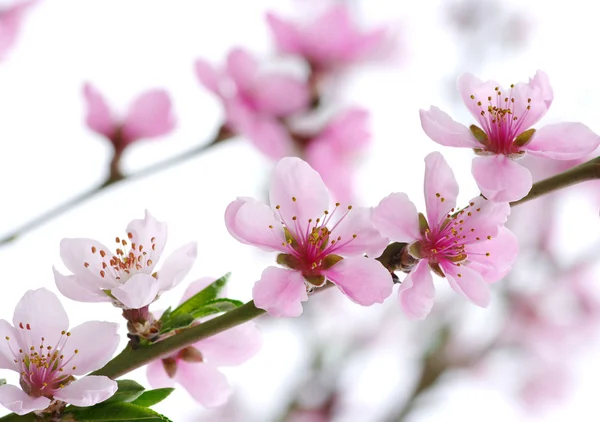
(500, 122)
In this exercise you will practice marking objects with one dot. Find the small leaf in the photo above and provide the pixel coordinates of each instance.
(216, 306)
(152, 397)
(480, 135)
(128, 390)
(524, 138)
(116, 412)
(13, 417)
(423, 225)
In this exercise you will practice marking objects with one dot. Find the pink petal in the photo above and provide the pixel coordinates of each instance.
(364, 280)
(349, 130)
(503, 250)
(139, 291)
(501, 179)
(563, 141)
(269, 136)
(298, 190)
(440, 188)
(537, 95)
(177, 266)
(254, 223)
(208, 76)
(19, 402)
(232, 347)
(148, 232)
(75, 253)
(204, 382)
(468, 283)
(6, 355)
(285, 34)
(70, 286)
(441, 128)
(469, 85)
(331, 37)
(45, 315)
(280, 292)
(99, 117)
(396, 217)
(336, 169)
(417, 293)
(482, 219)
(280, 95)
(11, 19)
(149, 116)
(96, 342)
(157, 376)
(196, 287)
(242, 68)
(364, 238)
(87, 391)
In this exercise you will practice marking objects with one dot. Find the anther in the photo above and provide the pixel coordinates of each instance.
(94, 249)
(294, 198)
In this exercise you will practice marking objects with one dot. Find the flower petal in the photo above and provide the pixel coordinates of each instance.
(284, 33)
(157, 376)
(232, 347)
(298, 190)
(41, 315)
(99, 118)
(336, 169)
(280, 95)
(208, 76)
(441, 128)
(254, 223)
(149, 233)
(440, 188)
(502, 249)
(482, 219)
(417, 293)
(76, 253)
(197, 286)
(70, 287)
(532, 100)
(280, 292)
(358, 230)
(242, 68)
(149, 116)
(139, 291)
(473, 90)
(563, 141)
(177, 266)
(268, 135)
(19, 402)
(96, 343)
(468, 283)
(396, 217)
(87, 391)
(204, 382)
(364, 280)
(500, 178)
(9, 339)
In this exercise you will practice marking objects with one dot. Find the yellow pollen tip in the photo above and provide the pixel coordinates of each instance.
(270, 226)
(337, 204)
(349, 207)
(354, 236)
(489, 238)
(294, 198)
(472, 97)
(487, 254)
(294, 218)
(7, 338)
(277, 207)
(442, 199)
(459, 274)
(438, 195)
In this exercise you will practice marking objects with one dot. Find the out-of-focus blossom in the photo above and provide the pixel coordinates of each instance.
(470, 246)
(256, 101)
(506, 117)
(312, 239)
(333, 152)
(10, 24)
(328, 42)
(149, 116)
(126, 278)
(47, 356)
(195, 367)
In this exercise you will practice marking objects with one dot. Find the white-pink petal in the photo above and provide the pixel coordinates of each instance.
(231, 347)
(267, 134)
(157, 376)
(468, 283)
(76, 253)
(87, 391)
(177, 266)
(417, 292)
(280, 292)
(441, 189)
(254, 223)
(280, 95)
(441, 128)
(501, 179)
(503, 250)
(563, 141)
(242, 68)
(469, 85)
(208, 76)
(147, 232)
(396, 217)
(99, 117)
(137, 292)
(6, 355)
(70, 286)
(96, 343)
(149, 116)
(358, 230)
(364, 280)
(205, 383)
(19, 402)
(285, 34)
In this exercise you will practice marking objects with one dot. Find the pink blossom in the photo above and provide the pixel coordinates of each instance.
(127, 279)
(330, 41)
(316, 243)
(46, 355)
(256, 101)
(149, 116)
(10, 24)
(195, 367)
(334, 151)
(505, 134)
(469, 246)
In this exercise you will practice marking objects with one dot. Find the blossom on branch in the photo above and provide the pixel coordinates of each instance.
(47, 356)
(126, 278)
(316, 243)
(196, 367)
(469, 246)
(505, 135)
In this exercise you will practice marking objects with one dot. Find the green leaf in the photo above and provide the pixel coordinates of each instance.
(117, 412)
(152, 397)
(215, 306)
(13, 417)
(128, 390)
